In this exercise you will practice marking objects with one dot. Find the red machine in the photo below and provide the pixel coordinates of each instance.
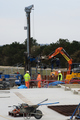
(73, 73)
(65, 55)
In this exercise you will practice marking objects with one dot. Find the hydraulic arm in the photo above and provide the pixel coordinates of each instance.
(64, 54)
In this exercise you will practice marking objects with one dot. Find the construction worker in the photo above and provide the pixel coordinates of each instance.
(60, 77)
(27, 79)
(39, 80)
(52, 63)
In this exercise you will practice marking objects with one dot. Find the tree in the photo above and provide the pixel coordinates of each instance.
(14, 53)
(76, 57)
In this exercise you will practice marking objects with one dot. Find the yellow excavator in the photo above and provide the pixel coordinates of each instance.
(73, 72)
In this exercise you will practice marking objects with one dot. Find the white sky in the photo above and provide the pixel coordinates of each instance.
(50, 20)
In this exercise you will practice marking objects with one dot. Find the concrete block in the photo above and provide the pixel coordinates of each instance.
(75, 92)
(67, 88)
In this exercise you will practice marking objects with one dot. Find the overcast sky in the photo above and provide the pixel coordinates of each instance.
(50, 20)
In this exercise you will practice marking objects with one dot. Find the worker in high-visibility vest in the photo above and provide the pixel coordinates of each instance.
(27, 79)
(39, 80)
(60, 76)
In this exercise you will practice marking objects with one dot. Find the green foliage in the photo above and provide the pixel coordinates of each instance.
(76, 55)
(14, 53)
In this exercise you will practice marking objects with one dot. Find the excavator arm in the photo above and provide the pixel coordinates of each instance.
(64, 54)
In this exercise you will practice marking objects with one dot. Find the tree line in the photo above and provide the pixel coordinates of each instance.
(13, 54)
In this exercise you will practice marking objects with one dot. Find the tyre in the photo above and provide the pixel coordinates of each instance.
(38, 114)
(9, 113)
(14, 115)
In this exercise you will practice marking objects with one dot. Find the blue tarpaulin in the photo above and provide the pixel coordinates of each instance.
(22, 87)
(55, 83)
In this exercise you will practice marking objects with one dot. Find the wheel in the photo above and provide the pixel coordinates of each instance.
(38, 114)
(14, 115)
(9, 113)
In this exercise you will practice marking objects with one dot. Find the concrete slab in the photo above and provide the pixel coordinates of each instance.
(33, 96)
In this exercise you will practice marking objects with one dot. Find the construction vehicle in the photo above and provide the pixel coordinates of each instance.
(11, 79)
(4, 84)
(19, 80)
(28, 111)
(73, 72)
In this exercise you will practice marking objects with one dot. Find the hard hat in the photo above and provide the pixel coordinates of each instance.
(27, 71)
(59, 71)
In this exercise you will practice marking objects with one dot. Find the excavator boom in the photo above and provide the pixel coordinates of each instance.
(64, 54)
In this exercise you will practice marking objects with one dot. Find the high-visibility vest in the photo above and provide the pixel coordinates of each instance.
(39, 77)
(39, 80)
(27, 77)
(60, 77)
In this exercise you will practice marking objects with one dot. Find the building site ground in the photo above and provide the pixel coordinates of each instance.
(68, 96)
(65, 95)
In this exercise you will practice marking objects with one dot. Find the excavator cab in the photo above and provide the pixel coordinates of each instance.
(74, 76)
(73, 71)
(75, 67)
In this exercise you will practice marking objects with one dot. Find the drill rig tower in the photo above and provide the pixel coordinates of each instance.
(28, 11)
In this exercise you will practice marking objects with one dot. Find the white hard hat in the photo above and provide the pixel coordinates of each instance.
(27, 71)
(59, 71)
